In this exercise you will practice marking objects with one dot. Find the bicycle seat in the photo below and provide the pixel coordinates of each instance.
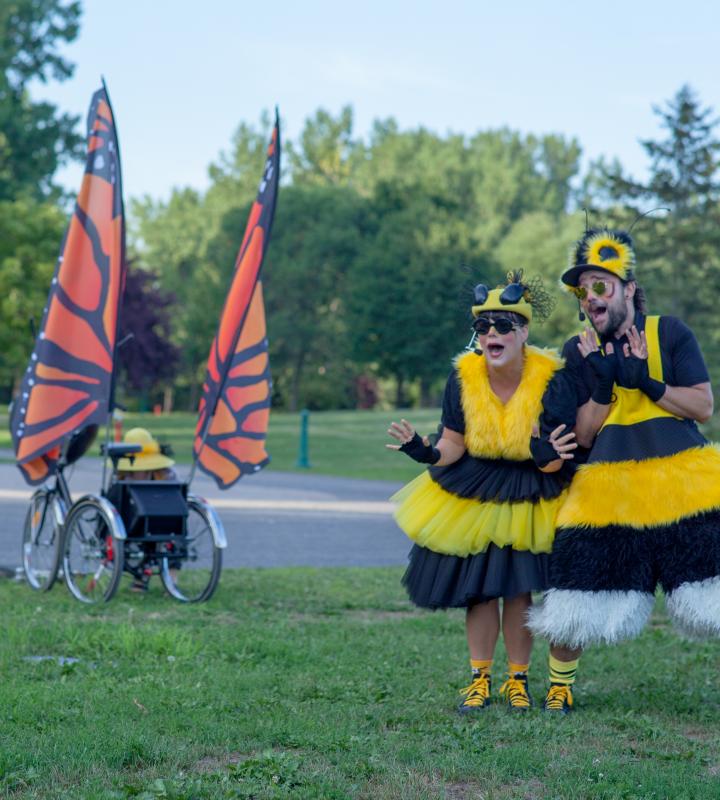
(79, 443)
(120, 449)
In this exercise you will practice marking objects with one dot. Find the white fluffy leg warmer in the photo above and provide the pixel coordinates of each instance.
(575, 618)
(694, 607)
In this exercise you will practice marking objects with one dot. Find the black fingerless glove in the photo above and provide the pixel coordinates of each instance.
(603, 368)
(419, 451)
(652, 388)
(636, 375)
(542, 452)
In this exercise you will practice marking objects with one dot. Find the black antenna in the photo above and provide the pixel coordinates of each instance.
(645, 213)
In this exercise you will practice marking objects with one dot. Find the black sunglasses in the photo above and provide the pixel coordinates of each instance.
(510, 295)
(482, 325)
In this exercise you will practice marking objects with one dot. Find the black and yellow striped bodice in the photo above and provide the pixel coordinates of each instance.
(637, 428)
(494, 494)
(647, 467)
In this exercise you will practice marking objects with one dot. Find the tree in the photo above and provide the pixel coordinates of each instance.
(510, 175)
(325, 151)
(365, 234)
(678, 254)
(236, 173)
(30, 237)
(192, 240)
(318, 233)
(35, 137)
(411, 161)
(170, 240)
(442, 203)
(149, 358)
(407, 313)
(538, 244)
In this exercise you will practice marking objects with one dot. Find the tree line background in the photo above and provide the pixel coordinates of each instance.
(376, 244)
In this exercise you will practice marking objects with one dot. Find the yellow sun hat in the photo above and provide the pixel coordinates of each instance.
(149, 458)
(602, 249)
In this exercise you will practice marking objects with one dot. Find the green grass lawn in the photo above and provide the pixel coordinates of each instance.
(301, 683)
(349, 443)
(346, 443)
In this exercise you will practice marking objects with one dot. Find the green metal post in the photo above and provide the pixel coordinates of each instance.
(303, 459)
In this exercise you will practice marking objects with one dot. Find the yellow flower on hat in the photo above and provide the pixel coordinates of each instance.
(609, 253)
(604, 249)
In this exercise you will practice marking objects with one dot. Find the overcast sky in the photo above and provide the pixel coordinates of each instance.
(183, 74)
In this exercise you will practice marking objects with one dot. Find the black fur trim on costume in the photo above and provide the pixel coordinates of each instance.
(436, 581)
(694, 553)
(500, 480)
(652, 438)
(627, 559)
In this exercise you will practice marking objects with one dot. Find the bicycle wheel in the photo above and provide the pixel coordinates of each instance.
(41, 539)
(191, 569)
(93, 550)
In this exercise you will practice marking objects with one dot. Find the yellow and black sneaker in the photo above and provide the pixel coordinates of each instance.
(559, 698)
(515, 692)
(477, 695)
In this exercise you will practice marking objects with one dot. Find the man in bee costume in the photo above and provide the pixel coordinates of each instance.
(483, 517)
(645, 507)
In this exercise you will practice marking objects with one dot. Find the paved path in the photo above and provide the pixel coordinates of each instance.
(271, 519)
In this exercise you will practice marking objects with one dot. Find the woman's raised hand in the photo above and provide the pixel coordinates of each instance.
(404, 433)
(412, 444)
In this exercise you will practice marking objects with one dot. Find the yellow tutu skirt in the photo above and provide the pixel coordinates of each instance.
(452, 525)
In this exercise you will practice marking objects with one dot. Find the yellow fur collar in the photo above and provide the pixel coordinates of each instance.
(494, 429)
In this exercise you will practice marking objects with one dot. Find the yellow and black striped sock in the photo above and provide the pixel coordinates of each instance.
(480, 666)
(514, 669)
(562, 671)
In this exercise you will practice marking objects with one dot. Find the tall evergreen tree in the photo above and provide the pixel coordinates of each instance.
(679, 254)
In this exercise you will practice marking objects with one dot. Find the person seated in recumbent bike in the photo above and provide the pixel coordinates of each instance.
(152, 463)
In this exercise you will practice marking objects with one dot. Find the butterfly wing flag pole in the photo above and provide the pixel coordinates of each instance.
(235, 404)
(68, 382)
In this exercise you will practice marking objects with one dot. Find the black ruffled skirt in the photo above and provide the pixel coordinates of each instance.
(434, 580)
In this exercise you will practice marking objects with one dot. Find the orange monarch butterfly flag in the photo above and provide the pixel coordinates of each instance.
(235, 405)
(67, 384)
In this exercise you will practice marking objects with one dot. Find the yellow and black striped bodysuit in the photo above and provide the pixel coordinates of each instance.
(644, 510)
(483, 527)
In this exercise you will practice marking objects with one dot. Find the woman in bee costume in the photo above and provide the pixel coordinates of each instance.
(645, 508)
(483, 515)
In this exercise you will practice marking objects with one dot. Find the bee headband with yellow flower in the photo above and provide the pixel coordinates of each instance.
(601, 249)
(518, 295)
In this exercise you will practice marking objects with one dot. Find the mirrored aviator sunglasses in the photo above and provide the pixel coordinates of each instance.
(599, 288)
(482, 325)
